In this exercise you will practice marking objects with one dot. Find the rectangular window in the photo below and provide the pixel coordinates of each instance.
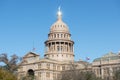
(39, 66)
(63, 67)
(48, 66)
(48, 74)
(58, 67)
(21, 68)
(58, 48)
(54, 67)
(39, 74)
(54, 76)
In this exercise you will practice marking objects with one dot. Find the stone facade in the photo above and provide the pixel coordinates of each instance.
(106, 65)
(59, 54)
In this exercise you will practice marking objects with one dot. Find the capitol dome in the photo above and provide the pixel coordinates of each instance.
(59, 45)
(59, 25)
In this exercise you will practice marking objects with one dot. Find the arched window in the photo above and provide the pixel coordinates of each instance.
(54, 35)
(64, 35)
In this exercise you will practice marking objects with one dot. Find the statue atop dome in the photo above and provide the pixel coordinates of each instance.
(59, 13)
(59, 25)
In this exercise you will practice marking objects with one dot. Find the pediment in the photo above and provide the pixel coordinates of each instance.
(30, 54)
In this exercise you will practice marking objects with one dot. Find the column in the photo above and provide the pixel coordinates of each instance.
(48, 47)
(73, 49)
(102, 73)
(51, 47)
(70, 48)
(63, 47)
(67, 47)
(54, 46)
(59, 47)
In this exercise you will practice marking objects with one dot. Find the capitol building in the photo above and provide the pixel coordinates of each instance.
(59, 54)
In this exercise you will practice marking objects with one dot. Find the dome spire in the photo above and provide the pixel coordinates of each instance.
(59, 13)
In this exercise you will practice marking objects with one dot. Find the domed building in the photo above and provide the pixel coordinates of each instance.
(106, 65)
(59, 54)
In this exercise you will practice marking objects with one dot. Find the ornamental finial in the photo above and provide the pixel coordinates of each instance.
(59, 13)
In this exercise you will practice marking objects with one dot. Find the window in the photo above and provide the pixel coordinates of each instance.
(54, 76)
(58, 67)
(58, 35)
(61, 48)
(39, 74)
(55, 35)
(48, 74)
(39, 65)
(52, 36)
(21, 68)
(105, 71)
(52, 55)
(114, 69)
(97, 71)
(48, 66)
(63, 67)
(61, 35)
(64, 35)
(58, 48)
(59, 76)
(54, 67)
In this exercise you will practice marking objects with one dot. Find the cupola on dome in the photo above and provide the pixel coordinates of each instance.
(59, 25)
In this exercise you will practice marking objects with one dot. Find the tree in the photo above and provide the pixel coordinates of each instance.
(5, 75)
(77, 74)
(28, 77)
(10, 64)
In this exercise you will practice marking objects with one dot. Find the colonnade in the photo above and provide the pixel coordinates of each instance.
(60, 47)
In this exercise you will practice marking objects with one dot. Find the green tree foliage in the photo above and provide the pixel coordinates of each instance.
(28, 77)
(76, 74)
(10, 64)
(5, 75)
